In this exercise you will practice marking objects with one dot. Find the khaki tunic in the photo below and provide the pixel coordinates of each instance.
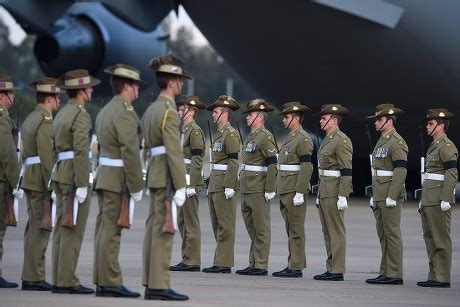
(188, 221)
(37, 140)
(225, 150)
(296, 149)
(389, 154)
(9, 170)
(71, 127)
(441, 158)
(258, 150)
(116, 128)
(160, 125)
(335, 153)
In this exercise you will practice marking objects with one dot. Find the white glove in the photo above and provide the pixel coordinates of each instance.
(298, 199)
(342, 203)
(229, 192)
(190, 192)
(137, 196)
(19, 193)
(371, 202)
(81, 194)
(317, 201)
(445, 206)
(147, 192)
(390, 202)
(53, 196)
(269, 195)
(179, 197)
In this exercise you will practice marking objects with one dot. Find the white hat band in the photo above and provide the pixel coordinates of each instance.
(49, 88)
(78, 81)
(172, 69)
(123, 72)
(6, 85)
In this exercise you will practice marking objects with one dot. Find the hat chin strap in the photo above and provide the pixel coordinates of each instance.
(218, 117)
(254, 119)
(327, 122)
(186, 112)
(386, 121)
(432, 131)
(290, 122)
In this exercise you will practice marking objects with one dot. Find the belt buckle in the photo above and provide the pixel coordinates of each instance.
(321, 172)
(425, 176)
(374, 172)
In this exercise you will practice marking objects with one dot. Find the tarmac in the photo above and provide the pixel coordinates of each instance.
(363, 260)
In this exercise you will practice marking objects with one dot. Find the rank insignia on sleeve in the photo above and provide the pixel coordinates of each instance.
(232, 134)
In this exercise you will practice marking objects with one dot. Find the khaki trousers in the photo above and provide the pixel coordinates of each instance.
(67, 242)
(189, 228)
(35, 239)
(3, 187)
(256, 216)
(223, 220)
(157, 245)
(107, 236)
(333, 226)
(294, 220)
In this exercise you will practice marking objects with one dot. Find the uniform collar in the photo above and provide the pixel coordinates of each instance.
(257, 130)
(333, 133)
(43, 110)
(167, 97)
(190, 123)
(441, 137)
(295, 131)
(121, 99)
(388, 133)
(221, 129)
(75, 102)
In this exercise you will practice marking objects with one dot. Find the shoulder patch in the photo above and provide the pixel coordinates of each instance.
(232, 134)
(345, 141)
(269, 137)
(400, 142)
(197, 132)
(305, 140)
(449, 145)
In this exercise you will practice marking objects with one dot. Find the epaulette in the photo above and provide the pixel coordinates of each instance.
(448, 142)
(47, 117)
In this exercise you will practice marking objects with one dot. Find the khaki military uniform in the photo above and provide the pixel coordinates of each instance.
(71, 127)
(37, 139)
(225, 150)
(116, 128)
(389, 155)
(441, 159)
(9, 170)
(296, 149)
(188, 221)
(258, 150)
(160, 125)
(335, 153)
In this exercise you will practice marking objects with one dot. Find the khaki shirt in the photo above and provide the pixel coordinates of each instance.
(390, 154)
(160, 125)
(225, 150)
(194, 150)
(441, 159)
(296, 149)
(117, 132)
(37, 140)
(9, 169)
(335, 153)
(71, 127)
(259, 150)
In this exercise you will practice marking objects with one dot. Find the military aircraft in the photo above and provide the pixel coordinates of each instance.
(353, 52)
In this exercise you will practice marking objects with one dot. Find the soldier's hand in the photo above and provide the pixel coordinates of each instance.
(179, 197)
(18, 193)
(298, 199)
(342, 203)
(445, 205)
(229, 192)
(137, 196)
(53, 196)
(317, 201)
(390, 202)
(190, 192)
(371, 202)
(269, 195)
(419, 207)
(81, 194)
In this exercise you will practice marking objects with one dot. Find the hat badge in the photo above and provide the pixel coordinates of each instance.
(295, 108)
(226, 102)
(334, 109)
(192, 102)
(391, 111)
(441, 114)
(262, 107)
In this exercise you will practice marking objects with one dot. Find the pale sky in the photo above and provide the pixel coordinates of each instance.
(17, 34)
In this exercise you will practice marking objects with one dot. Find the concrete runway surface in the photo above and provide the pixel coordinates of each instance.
(363, 259)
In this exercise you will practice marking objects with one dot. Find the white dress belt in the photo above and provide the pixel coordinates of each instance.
(156, 151)
(432, 176)
(32, 160)
(219, 167)
(254, 168)
(289, 167)
(328, 173)
(111, 162)
(65, 155)
(381, 173)
(187, 161)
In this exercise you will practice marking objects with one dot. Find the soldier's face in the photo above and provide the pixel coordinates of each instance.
(324, 121)
(287, 120)
(55, 101)
(216, 115)
(379, 122)
(6, 99)
(431, 125)
(250, 118)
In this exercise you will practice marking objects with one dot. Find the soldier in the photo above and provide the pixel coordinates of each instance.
(389, 160)
(38, 157)
(193, 148)
(438, 191)
(165, 173)
(258, 180)
(335, 170)
(9, 169)
(294, 175)
(119, 167)
(223, 181)
(72, 126)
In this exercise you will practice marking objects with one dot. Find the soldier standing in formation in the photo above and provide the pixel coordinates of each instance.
(295, 170)
(9, 169)
(188, 220)
(441, 176)
(335, 172)
(119, 168)
(223, 181)
(258, 185)
(38, 158)
(72, 127)
(389, 162)
(166, 173)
